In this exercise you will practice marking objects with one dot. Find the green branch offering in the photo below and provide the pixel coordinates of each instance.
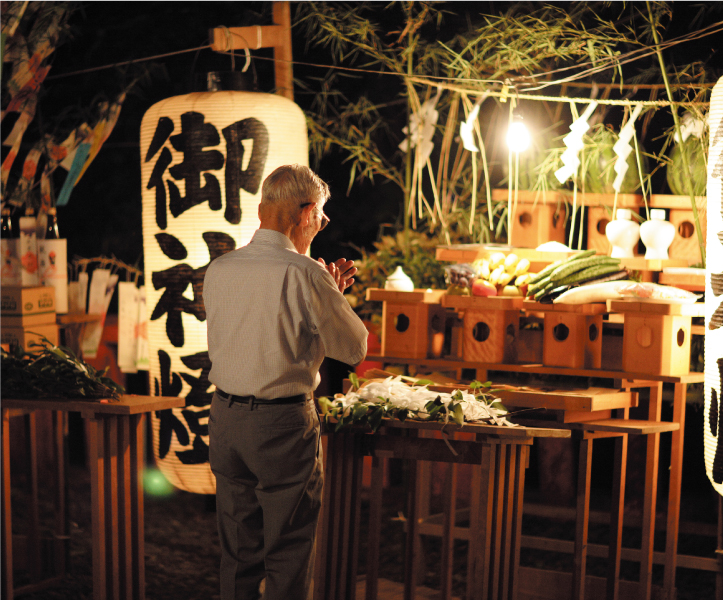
(49, 371)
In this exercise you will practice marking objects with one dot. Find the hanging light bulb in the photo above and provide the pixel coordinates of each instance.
(518, 136)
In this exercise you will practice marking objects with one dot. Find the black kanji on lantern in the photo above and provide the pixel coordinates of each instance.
(238, 179)
(176, 279)
(170, 384)
(194, 141)
(195, 136)
(196, 421)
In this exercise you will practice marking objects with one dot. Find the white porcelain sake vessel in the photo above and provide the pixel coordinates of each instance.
(623, 233)
(657, 234)
(399, 281)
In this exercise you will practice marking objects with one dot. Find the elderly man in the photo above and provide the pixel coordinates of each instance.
(273, 315)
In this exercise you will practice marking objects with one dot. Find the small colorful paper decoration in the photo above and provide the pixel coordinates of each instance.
(713, 383)
(573, 141)
(204, 157)
(623, 148)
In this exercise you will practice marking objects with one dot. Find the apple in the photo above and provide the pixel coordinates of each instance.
(482, 287)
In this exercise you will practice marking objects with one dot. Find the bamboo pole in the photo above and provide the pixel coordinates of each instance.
(683, 149)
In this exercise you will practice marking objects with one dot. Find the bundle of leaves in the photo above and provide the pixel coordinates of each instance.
(49, 371)
(342, 412)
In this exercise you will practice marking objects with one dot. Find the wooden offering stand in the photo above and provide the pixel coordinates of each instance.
(115, 447)
(655, 350)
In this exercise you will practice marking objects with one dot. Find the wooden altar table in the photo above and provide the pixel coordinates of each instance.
(115, 458)
(500, 455)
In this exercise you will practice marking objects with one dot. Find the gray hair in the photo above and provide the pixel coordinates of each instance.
(290, 186)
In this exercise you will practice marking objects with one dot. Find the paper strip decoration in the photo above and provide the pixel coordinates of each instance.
(713, 386)
(623, 148)
(203, 157)
(573, 141)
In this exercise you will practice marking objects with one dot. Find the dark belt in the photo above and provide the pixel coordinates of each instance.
(254, 400)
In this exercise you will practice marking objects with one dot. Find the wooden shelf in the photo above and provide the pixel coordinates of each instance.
(444, 364)
(634, 201)
(467, 253)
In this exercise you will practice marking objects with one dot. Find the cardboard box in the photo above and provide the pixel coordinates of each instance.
(17, 301)
(44, 318)
(22, 336)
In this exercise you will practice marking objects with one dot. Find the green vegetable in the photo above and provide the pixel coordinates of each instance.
(546, 271)
(582, 254)
(600, 158)
(590, 273)
(532, 289)
(675, 171)
(571, 267)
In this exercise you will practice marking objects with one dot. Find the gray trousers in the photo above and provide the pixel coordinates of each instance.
(269, 478)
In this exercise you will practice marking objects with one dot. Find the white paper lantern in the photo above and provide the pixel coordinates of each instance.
(712, 434)
(204, 157)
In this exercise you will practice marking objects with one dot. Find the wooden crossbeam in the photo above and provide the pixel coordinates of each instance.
(254, 37)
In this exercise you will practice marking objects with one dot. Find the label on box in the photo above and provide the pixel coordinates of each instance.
(18, 301)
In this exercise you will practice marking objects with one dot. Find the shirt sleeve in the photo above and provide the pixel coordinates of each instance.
(342, 332)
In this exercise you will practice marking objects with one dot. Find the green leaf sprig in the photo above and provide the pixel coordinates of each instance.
(50, 371)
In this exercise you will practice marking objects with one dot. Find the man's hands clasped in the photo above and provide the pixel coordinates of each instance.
(342, 271)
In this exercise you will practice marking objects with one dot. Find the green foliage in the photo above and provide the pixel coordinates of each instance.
(49, 371)
(414, 251)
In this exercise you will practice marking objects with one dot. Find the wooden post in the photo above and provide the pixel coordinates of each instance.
(254, 37)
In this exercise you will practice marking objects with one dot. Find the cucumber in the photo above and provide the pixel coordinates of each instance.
(571, 267)
(590, 273)
(582, 254)
(535, 287)
(544, 291)
(545, 272)
(552, 266)
(617, 275)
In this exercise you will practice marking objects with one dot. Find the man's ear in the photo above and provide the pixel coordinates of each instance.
(306, 214)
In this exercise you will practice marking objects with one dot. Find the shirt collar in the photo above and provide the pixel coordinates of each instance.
(273, 238)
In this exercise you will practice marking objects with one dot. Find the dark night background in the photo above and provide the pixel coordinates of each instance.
(103, 216)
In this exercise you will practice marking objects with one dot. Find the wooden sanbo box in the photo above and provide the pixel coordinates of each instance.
(572, 339)
(656, 336)
(410, 321)
(490, 327)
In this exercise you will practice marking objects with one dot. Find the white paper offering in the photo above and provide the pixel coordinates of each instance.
(127, 326)
(102, 286)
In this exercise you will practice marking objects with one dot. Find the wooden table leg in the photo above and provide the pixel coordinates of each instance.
(480, 524)
(374, 531)
(522, 458)
(130, 508)
(339, 522)
(676, 477)
(96, 463)
(410, 556)
(61, 532)
(137, 512)
(449, 509)
(651, 494)
(7, 534)
(31, 451)
(582, 519)
(617, 508)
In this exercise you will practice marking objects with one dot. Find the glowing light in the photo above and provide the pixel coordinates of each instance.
(155, 483)
(518, 137)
